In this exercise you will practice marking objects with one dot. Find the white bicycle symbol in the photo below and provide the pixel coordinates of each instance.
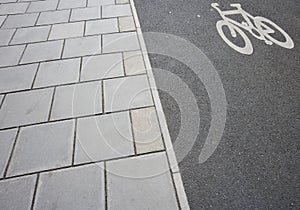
(259, 29)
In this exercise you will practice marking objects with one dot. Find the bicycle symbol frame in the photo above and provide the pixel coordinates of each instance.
(259, 29)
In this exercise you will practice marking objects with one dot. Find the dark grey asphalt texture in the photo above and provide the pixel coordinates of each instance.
(257, 163)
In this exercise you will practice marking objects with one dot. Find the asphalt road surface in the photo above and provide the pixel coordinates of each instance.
(257, 162)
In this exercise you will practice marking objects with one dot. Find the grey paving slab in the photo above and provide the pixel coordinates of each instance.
(40, 6)
(31, 34)
(2, 19)
(122, 1)
(17, 78)
(126, 24)
(7, 1)
(25, 107)
(87, 13)
(66, 4)
(101, 26)
(147, 134)
(7, 138)
(13, 8)
(144, 181)
(5, 36)
(82, 46)
(42, 51)
(66, 30)
(120, 42)
(126, 93)
(17, 21)
(10, 55)
(77, 100)
(103, 137)
(52, 17)
(17, 193)
(42, 147)
(100, 2)
(134, 63)
(58, 72)
(76, 188)
(102, 66)
(116, 10)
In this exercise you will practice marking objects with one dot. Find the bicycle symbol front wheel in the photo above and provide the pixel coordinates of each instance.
(247, 49)
(261, 24)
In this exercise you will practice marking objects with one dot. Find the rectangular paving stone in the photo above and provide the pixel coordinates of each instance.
(75, 188)
(58, 72)
(42, 51)
(13, 8)
(100, 2)
(102, 66)
(31, 34)
(42, 147)
(127, 93)
(7, 1)
(66, 30)
(147, 134)
(7, 139)
(40, 6)
(5, 36)
(120, 42)
(25, 107)
(10, 55)
(53, 17)
(17, 193)
(17, 78)
(87, 13)
(145, 181)
(126, 24)
(116, 11)
(82, 46)
(101, 26)
(66, 4)
(122, 1)
(134, 63)
(18, 21)
(103, 137)
(77, 100)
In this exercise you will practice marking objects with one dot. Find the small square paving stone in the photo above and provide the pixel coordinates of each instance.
(147, 134)
(25, 107)
(11, 55)
(126, 24)
(17, 77)
(101, 26)
(116, 10)
(102, 66)
(82, 46)
(58, 72)
(77, 100)
(42, 51)
(5, 36)
(127, 93)
(66, 4)
(53, 17)
(40, 6)
(17, 193)
(85, 13)
(66, 30)
(75, 188)
(145, 181)
(134, 63)
(43, 147)
(13, 8)
(120, 42)
(18, 21)
(7, 139)
(31, 34)
(103, 137)
(100, 2)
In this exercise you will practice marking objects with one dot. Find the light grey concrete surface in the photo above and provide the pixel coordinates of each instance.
(31, 34)
(101, 26)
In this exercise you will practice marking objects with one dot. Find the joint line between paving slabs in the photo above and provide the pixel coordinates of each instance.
(35, 190)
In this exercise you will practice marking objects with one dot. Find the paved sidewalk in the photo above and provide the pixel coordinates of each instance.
(81, 124)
